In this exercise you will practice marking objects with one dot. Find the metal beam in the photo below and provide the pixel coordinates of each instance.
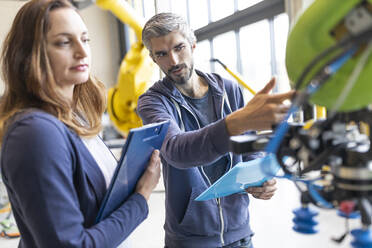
(260, 11)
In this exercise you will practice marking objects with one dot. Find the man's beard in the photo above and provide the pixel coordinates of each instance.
(181, 80)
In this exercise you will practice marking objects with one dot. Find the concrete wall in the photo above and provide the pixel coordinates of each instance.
(103, 32)
(8, 9)
(102, 27)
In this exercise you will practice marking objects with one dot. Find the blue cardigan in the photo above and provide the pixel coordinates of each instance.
(55, 187)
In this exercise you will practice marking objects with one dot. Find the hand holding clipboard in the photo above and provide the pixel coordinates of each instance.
(150, 177)
(137, 150)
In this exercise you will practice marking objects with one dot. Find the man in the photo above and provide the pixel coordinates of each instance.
(204, 110)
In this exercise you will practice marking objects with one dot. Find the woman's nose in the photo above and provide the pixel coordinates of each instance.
(81, 50)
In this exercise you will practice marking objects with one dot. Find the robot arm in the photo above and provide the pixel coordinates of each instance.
(125, 13)
(135, 71)
(329, 62)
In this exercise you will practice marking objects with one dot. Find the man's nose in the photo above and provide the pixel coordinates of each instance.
(173, 58)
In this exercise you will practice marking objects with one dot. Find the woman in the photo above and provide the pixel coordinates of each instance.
(55, 167)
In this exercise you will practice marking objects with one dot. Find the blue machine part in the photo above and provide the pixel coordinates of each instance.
(362, 238)
(304, 220)
(353, 215)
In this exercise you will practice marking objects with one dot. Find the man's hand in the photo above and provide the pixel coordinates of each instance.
(260, 113)
(265, 192)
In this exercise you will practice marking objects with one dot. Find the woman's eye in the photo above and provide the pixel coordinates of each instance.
(63, 43)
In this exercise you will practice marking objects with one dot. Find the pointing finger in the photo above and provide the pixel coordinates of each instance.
(268, 87)
(279, 98)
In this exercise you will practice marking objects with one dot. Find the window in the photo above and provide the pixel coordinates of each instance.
(224, 49)
(163, 6)
(255, 51)
(281, 25)
(198, 13)
(243, 4)
(221, 9)
(148, 10)
(180, 7)
(256, 54)
(202, 55)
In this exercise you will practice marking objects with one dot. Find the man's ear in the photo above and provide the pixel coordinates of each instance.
(152, 57)
(193, 46)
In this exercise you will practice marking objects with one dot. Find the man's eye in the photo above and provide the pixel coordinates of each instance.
(179, 48)
(159, 55)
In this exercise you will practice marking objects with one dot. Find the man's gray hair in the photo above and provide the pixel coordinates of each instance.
(164, 23)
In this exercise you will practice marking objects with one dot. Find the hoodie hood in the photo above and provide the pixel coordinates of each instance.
(167, 87)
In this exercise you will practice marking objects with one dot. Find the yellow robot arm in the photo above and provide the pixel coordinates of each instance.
(135, 71)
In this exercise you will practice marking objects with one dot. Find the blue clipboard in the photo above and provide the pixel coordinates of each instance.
(241, 176)
(136, 153)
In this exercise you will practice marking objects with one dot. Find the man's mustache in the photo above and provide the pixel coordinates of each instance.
(176, 67)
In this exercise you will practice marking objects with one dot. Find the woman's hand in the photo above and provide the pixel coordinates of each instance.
(150, 177)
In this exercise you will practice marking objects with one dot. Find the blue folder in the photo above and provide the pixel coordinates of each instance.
(136, 153)
(242, 176)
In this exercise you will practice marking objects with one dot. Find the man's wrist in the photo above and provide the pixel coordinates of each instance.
(234, 123)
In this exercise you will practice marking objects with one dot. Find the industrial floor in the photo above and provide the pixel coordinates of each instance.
(271, 221)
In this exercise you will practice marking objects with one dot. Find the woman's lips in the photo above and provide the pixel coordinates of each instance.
(80, 67)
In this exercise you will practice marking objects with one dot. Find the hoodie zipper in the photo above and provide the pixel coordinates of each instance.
(218, 200)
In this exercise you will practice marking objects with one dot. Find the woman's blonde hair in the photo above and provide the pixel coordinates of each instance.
(29, 80)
